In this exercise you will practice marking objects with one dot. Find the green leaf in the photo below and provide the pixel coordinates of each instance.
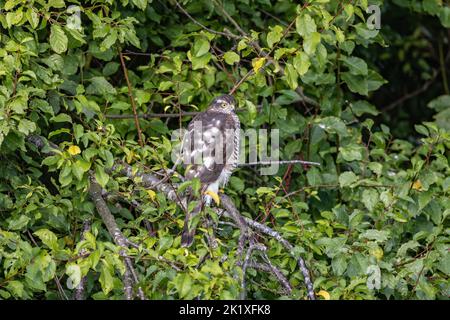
(347, 178)
(356, 65)
(301, 63)
(314, 177)
(274, 35)
(237, 184)
(440, 103)
(370, 198)
(16, 288)
(361, 107)
(377, 235)
(79, 167)
(339, 265)
(305, 25)
(201, 47)
(444, 16)
(352, 152)
(101, 176)
(141, 4)
(310, 43)
(18, 223)
(58, 39)
(62, 117)
(200, 62)
(231, 57)
(33, 18)
(74, 273)
(291, 76)
(100, 86)
(48, 238)
(106, 277)
(357, 84)
(183, 284)
(26, 126)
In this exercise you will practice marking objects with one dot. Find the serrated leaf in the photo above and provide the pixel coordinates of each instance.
(58, 39)
(347, 178)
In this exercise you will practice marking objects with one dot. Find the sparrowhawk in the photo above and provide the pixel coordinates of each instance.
(210, 153)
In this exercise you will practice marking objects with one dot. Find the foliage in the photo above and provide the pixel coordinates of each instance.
(378, 204)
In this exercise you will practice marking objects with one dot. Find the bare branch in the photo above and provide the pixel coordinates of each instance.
(95, 191)
(301, 263)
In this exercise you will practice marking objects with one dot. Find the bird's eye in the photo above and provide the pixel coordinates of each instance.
(224, 105)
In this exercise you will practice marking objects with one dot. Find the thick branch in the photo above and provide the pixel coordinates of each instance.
(301, 263)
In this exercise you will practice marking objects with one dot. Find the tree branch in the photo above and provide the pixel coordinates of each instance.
(95, 192)
(130, 94)
(151, 181)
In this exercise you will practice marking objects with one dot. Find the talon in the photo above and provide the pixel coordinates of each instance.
(214, 196)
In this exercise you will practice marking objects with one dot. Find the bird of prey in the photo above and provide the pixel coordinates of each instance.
(210, 153)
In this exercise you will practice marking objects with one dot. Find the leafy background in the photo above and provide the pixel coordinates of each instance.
(372, 107)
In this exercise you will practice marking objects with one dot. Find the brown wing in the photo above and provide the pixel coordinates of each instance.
(208, 145)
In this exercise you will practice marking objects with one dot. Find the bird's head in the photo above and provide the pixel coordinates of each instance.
(225, 103)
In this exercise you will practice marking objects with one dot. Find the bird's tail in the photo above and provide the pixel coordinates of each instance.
(187, 237)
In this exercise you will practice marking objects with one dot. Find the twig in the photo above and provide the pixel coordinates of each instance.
(79, 290)
(301, 263)
(225, 34)
(251, 248)
(164, 115)
(278, 274)
(412, 94)
(281, 162)
(56, 279)
(130, 94)
(442, 66)
(151, 115)
(95, 191)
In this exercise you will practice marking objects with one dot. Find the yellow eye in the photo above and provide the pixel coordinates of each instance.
(224, 105)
